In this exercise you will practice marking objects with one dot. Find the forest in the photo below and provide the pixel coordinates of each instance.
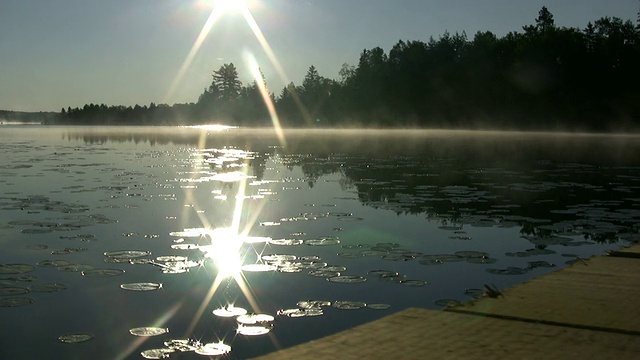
(544, 77)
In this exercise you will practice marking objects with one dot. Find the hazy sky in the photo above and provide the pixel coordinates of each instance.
(61, 53)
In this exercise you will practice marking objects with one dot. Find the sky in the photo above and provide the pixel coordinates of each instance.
(62, 53)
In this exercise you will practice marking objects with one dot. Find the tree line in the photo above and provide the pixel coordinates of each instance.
(543, 77)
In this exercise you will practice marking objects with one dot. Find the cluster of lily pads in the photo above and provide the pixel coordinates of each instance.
(169, 264)
(512, 270)
(75, 220)
(10, 287)
(393, 276)
(306, 308)
(171, 346)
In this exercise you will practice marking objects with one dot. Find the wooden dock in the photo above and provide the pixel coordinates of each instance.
(590, 310)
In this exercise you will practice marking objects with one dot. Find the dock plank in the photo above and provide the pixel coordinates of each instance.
(602, 293)
(431, 334)
(588, 310)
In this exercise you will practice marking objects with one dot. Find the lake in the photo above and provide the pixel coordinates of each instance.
(117, 241)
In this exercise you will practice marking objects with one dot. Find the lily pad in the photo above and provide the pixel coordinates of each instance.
(337, 268)
(75, 267)
(508, 271)
(252, 319)
(347, 279)
(168, 258)
(229, 311)
(444, 258)
(430, 262)
(393, 257)
(285, 242)
(15, 268)
(537, 264)
(51, 287)
(307, 304)
(254, 330)
(326, 241)
(481, 260)
(372, 253)
(278, 257)
(413, 283)
(75, 338)
(99, 273)
(350, 218)
(213, 349)
(8, 291)
(148, 331)
(15, 301)
(382, 273)
(349, 305)
(162, 353)
(66, 251)
(349, 255)
(53, 263)
(474, 293)
(127, 254)
(295, 313)
(36, 231)
(378, 306)
(182, 345)
(324, 273)
(141, 286)
(310, 258)
(185, 246)
(471, 254)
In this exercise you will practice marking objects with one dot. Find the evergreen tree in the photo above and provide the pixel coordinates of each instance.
(227, 82)
(544, 21)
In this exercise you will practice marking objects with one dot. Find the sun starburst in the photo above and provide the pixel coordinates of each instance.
(230, 5)
(227, 243)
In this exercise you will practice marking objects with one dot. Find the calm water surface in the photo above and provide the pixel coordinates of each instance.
(370, 222)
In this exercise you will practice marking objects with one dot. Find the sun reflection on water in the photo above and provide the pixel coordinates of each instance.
(225, 251)
(227, 248)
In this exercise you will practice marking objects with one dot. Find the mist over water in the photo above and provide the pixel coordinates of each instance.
(386, 218)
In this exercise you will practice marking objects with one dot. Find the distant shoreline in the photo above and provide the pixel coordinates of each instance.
(360, 130)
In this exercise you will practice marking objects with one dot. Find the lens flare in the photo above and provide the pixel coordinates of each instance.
(226, 248)
(221, 7)
(213, 17)
(266, 97)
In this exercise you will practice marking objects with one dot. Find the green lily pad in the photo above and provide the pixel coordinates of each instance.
(99, 273)
(15, 301)
(15, 268)
(141, 286)
(75, 338)
(347, 279)
(51, 287)
(14, 290)
(148, 331)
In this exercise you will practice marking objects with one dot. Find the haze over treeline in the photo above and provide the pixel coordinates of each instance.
(543, 77)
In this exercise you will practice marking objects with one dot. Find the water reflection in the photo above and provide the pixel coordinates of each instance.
(546, 184)
(200, 228)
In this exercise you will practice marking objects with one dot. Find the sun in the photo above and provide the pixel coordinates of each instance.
(229, 5)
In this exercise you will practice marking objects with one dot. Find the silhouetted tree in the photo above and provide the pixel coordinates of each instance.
(545, 76)
(314, 93)
(544, 21)
(227, 82)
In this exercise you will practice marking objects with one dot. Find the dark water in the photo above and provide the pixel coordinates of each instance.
(443, 213)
